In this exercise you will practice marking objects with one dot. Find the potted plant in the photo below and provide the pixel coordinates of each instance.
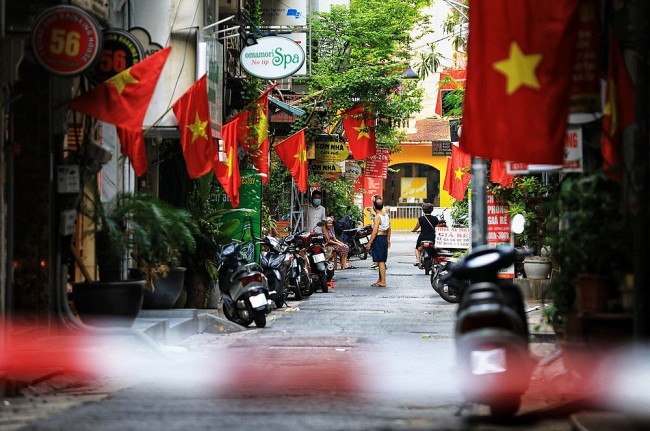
(212, 232)
(156, 234)
(589, 243)
(530, 196)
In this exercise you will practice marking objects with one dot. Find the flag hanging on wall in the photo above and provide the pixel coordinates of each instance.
(123, 100)
(193, 116)
(228, 172)
(359, 126)
(293, 153)
(253, 132)
(519, 76)
(618, 112)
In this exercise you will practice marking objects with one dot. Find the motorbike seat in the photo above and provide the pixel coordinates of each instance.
(490, 315)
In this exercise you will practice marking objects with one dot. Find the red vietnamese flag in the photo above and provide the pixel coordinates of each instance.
(123, 100)
(458, 173)
(253, 132)
(518, 79)
(619, 110)
(359, 126)
(193, 116)
(228, 172)
(293, 153)
(499, 173)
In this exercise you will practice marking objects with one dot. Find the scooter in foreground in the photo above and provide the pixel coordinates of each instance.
(244, 288)
(491, 334)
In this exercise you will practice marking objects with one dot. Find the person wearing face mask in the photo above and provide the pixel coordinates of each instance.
(380, 240)
(315, 212)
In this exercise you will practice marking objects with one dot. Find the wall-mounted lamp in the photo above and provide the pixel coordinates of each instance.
(409, 74)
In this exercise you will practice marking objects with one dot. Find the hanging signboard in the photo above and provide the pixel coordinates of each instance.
(273, 57)
(498, 221)
(352, 169)
(66, 40)
(377, 165)
(284, 12)
(572, 157)
(331, 151)
(120, 51)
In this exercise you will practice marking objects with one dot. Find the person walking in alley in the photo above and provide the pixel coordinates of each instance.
(426, 224)
(380, 240)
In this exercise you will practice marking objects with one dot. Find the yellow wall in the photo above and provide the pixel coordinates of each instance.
(422, 154)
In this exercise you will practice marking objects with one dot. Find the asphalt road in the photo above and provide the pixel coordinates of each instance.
(356, 358)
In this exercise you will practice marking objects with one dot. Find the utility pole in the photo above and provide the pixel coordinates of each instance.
(479, 201)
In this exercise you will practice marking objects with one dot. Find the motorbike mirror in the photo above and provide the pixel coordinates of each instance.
(518, 223)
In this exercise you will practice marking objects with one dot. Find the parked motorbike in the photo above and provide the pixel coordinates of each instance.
(275, 261)
(299, 281)
(451, 289)
(357, 238)
(244, 288)
(322, 271)
(491, 333)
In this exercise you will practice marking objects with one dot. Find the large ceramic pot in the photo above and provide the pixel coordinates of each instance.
(537, 268)
(166, 290)
(115, 303)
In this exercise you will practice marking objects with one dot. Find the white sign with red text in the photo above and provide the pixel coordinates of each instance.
(572, 157)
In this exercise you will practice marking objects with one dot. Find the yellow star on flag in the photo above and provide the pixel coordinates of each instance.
(122, 79)
(198, 128)
(229, 161)
(459, 173)
(301, 155)
(262, 128)
(363, 130)
(519, 69)
(610, 107)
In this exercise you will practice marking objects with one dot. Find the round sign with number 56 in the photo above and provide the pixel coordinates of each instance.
(66, 40)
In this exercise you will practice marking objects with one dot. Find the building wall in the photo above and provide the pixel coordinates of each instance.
(422, 154)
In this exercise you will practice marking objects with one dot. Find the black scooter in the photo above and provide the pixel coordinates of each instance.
(244, 288)
(491, 335)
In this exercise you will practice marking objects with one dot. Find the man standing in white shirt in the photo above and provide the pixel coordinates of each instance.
(315, 212)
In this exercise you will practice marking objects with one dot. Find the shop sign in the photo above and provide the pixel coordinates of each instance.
(572, 157)
(331, 151)
(441, 148)
(352, 169)
(324, 167)
(273, 57)
(144, 37)
(284, 12)
(120, 51)
(377, 165)
(452, 237)
(66, 40)
(498, 221)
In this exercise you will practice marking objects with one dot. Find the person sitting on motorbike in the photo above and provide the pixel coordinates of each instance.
(427, 225)
(341, 249)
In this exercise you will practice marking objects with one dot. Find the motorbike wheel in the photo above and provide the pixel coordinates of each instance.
(305, 286)
(446, 293)
(260, 319)
(363, 255)
(435, 278)
(427, 265)
(319, 282)
(280, 294)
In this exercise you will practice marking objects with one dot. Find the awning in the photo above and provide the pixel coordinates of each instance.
(292, 110)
